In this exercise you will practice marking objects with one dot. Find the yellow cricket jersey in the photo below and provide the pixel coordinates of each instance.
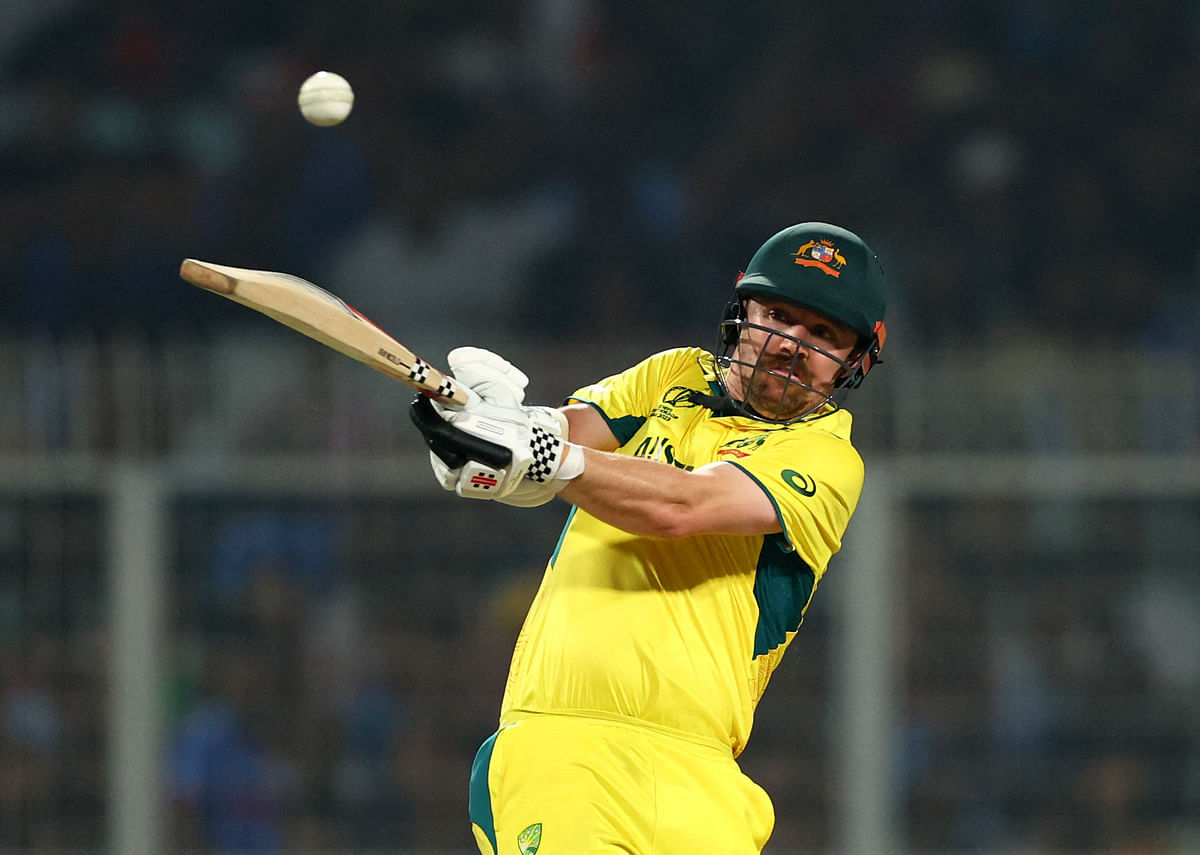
(683, 635)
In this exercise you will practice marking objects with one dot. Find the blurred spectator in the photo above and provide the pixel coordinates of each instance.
(265, 566)
(229, 774)
(31, 746)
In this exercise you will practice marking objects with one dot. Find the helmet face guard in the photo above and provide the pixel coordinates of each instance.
(787, 407)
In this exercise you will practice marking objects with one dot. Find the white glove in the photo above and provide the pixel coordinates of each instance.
(499, 384)
(532, 434)
(474, 481)
(537, 450)
(494, 413)
(534, 491)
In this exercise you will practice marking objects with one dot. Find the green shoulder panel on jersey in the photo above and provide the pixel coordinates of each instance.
(783, 587)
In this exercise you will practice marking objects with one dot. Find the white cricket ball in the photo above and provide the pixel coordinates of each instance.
(326, 98)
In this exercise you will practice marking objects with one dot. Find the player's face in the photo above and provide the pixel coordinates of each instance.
(779, 368)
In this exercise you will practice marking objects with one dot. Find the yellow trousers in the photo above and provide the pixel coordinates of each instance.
(572, 785)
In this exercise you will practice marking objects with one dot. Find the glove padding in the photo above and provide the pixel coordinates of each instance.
(497, 382)
(484, 449)
(461, 461)
(500, 385)
(539, 454)
(526, 493)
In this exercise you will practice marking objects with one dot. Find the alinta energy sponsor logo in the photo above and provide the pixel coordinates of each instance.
(822, 254)
(741, 447)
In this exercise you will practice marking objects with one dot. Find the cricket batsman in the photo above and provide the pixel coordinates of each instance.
(709, 491)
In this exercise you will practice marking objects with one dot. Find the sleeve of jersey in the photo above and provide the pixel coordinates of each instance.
(626, 399)
(815, 482)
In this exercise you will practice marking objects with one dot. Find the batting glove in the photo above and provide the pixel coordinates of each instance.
(470, 460)
(482, 457)
(500, 386)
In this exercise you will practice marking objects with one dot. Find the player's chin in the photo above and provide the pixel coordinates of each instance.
(795, 409)
(783, 404)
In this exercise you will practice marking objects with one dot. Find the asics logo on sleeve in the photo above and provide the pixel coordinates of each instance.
(802, 484)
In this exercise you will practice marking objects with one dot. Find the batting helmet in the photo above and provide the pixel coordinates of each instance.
(824, 268)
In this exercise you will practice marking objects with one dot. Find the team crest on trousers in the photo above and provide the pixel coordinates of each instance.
(530, 839)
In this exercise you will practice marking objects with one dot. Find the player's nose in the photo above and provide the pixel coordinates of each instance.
(788, 342)
(779, 344)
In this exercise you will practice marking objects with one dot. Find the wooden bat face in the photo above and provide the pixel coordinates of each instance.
(313, 311)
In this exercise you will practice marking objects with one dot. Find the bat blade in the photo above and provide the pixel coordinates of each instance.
(320, 315)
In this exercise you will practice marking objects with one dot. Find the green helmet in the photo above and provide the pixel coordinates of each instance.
(824, 268)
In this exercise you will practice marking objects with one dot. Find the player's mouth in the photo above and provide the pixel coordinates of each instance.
(785, 372)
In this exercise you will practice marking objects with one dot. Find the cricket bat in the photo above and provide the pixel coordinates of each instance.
(313, 311)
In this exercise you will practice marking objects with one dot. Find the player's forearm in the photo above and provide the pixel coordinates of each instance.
(655, 499)
(643, 497)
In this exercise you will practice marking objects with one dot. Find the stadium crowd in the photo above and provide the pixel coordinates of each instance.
(602, 168)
